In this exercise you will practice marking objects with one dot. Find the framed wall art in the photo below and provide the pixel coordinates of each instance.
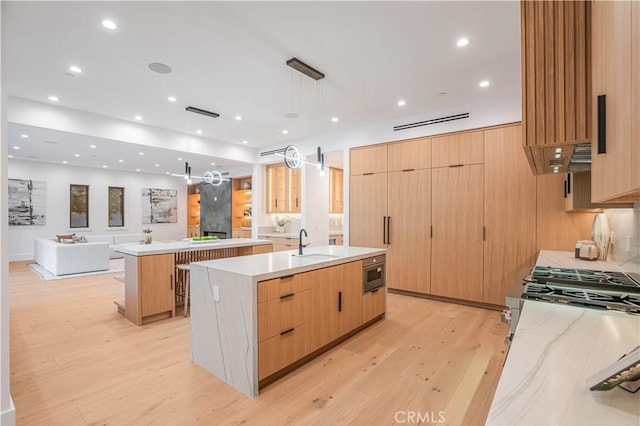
(159, 205)
(78, 206)
(116, 206)
(27, 202)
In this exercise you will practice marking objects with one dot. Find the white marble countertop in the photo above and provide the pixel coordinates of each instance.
(158, 247)
(291, 234)
(273, 265)
(554, 349)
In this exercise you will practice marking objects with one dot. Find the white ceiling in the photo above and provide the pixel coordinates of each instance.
(229, 57)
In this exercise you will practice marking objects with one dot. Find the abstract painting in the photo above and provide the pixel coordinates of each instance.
(159, 205)
(116, 206)
(78, 206)
(27, 202)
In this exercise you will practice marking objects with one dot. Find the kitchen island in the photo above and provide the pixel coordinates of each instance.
(255, 318)
(151, 278)
(554, 349)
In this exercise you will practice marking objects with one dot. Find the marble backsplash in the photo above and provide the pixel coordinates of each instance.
(624, 224)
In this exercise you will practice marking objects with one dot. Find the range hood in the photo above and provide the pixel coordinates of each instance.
(570, 158)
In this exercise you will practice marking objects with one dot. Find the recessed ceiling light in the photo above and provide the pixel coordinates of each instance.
(16, 147)
(138, 117)
(120, 161)
(24, 136)
(199, 131)
(76, 155)
(10, 156)
(558, 150)
(64, 161)
(484, 83)
(555, 170)
(157, 165)
(92, 146)
(53, 98)
(285, 132)
(557, 156)
(171, 99)
(76, 69)
(335, 119)
(238, 117)
(160, 68)
(141, 153)
(179, 158)
(104, 166)
(109, 24)
(245, 142)
(213, 164)
(462, 42)
(137, 170)
(402, 102)
(167, 173)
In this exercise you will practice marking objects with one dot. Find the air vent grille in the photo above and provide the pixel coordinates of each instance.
(431, 121)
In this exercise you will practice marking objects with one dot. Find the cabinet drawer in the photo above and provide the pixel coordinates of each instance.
(283, 313)
(274, 289)
(281, 350)
(457, 149)
(412, 154)
(373, 304)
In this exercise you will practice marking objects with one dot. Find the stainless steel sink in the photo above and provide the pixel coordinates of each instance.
(318, 256)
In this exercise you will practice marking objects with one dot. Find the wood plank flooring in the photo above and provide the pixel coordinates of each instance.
(75, 360)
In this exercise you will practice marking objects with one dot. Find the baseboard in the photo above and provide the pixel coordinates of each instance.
(8, 417)
(20, 257)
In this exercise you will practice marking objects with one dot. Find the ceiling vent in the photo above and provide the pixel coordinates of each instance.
(202, 111)
(431, 121)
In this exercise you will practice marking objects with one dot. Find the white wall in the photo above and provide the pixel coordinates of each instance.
(59, 177)
(315, 205)
(625, 223)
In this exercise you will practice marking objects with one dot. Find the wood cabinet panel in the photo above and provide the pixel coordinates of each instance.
(241, 233)
(155, 278)
(294, 190)
(457, 244)
(367, 210)
(371, 159)
(374, 304)
(411, 154)
(409, 249)
(456, 149)
(336, 190)
(279, 315)
(278, 287)
(325, 322)
(281, 350)
(276, 184)
(510, 213)
(350, 300)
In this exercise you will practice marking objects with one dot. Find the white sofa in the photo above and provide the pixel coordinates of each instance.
(114, 240)
(64, 259)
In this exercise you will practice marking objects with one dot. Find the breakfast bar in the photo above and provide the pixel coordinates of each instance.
(151, 278)
(254, 318)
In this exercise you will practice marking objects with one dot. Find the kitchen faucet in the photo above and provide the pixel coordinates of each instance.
(300, 245)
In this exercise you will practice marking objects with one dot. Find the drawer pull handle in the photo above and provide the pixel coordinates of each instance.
(456, 165)
(408, 170)
(287, 276)
(286, 295)
(375, 291)
(287, 331)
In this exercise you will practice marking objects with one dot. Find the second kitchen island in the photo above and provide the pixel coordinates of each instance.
(254, 318)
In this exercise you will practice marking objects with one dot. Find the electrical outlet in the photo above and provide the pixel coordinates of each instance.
(628, 248)
(216, 293)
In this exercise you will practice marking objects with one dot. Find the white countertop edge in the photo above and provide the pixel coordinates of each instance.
(174, 247)
(567, 259)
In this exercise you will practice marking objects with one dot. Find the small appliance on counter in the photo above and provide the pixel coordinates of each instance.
(586, 250)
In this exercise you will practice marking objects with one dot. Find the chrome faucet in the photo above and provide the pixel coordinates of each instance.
(300, 245)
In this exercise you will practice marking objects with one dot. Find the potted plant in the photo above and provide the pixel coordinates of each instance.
(147, 235)
(280, 223)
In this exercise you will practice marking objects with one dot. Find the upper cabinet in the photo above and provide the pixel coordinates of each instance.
(412, 154)
(556, 80)
(283, 189)
(457, 149)
(336, 190)
(367, 160)
(615, 150)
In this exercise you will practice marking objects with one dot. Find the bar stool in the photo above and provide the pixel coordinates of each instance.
(186, 269)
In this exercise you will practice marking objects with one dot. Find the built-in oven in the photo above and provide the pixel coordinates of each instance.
(373, 273)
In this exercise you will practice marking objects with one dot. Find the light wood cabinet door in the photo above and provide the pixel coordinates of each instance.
(282, 314)
(294, 190)
(614, 174)
(409, 249)
(510, 213)
(276, 184)
(457, 245)
(155, 278)
(325, 319)
(374, 304)
(367, 210)
(350, 297)
(410, 154)
(283, 349)
(457, 149)
(336, 193)
(370, 159)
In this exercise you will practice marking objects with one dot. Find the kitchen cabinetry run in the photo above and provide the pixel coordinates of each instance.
(283, 189)
(556, 80)
(193, 210)
(283, 243)
(615, 148)
(368, 210)
(577, 195)
(241, 199)
(457, 149)
(240, 233)
(336, 177)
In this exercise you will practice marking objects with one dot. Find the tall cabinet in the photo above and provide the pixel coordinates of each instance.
(615, 175)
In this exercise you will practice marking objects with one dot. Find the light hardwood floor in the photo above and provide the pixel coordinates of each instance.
(75, 360)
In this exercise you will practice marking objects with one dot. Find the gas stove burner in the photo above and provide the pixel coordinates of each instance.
(582, 278)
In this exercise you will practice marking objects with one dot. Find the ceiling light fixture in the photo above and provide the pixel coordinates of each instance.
(141, 153)
(213, 164)
(179, 158)
(305, 69)
(104, 166)
(53, 98)
(199, 131)
(335, 119)
(285, 132)
(557, 156)
(76, 155)
(238, 117)
(24, 136)
(138, 117)
(402, 102)
(137, 170)
(245, 142)
(109, 24)
(462, 42)
(203, 112)
(157, 165)
(558, 150)
(64, 161)
(16, 147)
(171, 99)
(10, 156)
(75, 69)
(120, 161)
(160, 68)
(484, 83)
(92, 146)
